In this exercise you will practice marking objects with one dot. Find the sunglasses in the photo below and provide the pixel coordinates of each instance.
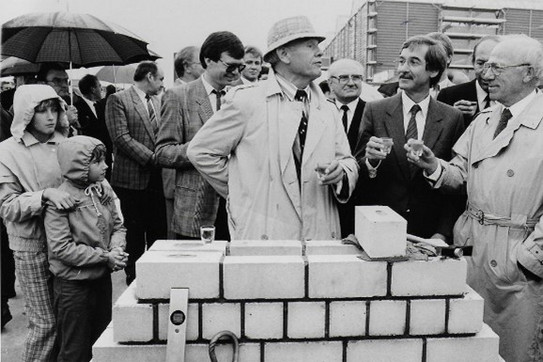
(230, 68)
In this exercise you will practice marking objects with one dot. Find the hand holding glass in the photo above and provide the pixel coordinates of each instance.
(387, 144)
(416, 147)
(207, 233)
(320, 169)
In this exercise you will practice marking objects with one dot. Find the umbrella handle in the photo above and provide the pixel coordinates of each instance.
(71, 90)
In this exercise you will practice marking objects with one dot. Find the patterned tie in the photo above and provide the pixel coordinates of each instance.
(486, 102)
(345, 109)
(412, 125)
(506, 116)
(152, 115)
(298, 148)
(218, 95)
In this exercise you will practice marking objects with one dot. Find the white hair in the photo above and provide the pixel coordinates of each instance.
(524, 50)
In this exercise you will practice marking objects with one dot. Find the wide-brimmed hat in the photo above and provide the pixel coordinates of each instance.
(286, 30)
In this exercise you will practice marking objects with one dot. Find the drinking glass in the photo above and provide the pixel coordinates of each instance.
(207, 233)
(387, 144)
(416, 147)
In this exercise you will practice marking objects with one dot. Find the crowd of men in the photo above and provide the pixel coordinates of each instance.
(277, 159)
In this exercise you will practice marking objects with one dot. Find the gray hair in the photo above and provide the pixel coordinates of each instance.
(524, 50)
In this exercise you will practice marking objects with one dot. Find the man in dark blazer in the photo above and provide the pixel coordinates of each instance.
(185, 109)
(345, 81)
(387, 179)
(132, 119)
(472, 97)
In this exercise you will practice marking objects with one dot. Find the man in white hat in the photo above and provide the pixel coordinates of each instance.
(277, 150)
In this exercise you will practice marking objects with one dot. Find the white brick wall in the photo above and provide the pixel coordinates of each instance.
(303, 352)
(106, 350)
(132, 322)
(347, 319)
(428, 278)
(427, 316)
(188, 245)
(217, 317)
(253, 277)
(164, 318)
(264, 320)
(387, 317)
(248, 352)
(344, 276)
(265, 247)
(306, 320)
(330, 247)
(466, 314)
(380, 231)
(159, 271)
(385, 350)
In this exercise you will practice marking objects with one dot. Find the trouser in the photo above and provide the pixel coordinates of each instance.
(8, 265)
(144, 213)
(83, 309)
(221, 222)
(32, 269)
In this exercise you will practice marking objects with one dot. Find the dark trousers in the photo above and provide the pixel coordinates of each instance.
(83, 310)
(8, 265)
(144, 213)
(221, 222)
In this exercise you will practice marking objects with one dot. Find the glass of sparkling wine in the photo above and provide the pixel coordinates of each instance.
(321, 169)
(387, 144)
(207, 233)
(416, 147)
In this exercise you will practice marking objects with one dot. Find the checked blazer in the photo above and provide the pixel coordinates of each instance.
(185, 109)
(133, 138)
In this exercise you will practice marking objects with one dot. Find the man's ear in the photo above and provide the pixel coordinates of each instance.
(283, 55)
(530, 74)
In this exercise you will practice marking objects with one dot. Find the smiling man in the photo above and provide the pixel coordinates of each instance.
(387, 179)
(278, 150)
(253, 63)
(499, 163)
(185, 109)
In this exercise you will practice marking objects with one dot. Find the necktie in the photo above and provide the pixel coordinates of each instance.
(412, 125)
(152, 115)
(506, 116)
(218, 95)
(345, 109)
(486, 102)
(298, 148)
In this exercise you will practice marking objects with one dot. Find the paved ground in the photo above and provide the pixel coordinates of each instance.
(14, 332)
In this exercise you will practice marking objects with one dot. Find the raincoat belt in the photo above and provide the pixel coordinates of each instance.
(485, 218)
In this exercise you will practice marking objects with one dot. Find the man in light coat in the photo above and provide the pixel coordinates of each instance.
(500, 162)
(264, 148)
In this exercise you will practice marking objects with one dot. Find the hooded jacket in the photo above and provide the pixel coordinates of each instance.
(27, 167)
(78, 240)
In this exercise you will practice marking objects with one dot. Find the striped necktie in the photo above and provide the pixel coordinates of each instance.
(412, 125)
(152, 115)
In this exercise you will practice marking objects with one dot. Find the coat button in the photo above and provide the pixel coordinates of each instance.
(333, 234)
(475, 165)
(264, 237)
(493, 263)
(510, 173)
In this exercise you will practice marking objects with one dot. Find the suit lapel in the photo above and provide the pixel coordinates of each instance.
(432, 128)
(142, 111)
(202, 100)
(352, 135)
(289, 121)
(396, 130)
(316, 126)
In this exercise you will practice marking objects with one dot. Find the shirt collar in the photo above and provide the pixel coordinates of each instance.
(481, 93)
(517, 108)
(90, 104)
(29, 140)
(289, 89)
(408, 104)
(352, 105)
(141, 94)
(208, 87)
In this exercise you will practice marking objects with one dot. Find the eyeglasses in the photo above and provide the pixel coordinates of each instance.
(230, 68)
(344, 78)
(497, 69)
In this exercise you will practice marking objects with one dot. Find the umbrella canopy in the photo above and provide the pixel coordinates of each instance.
(114, 74)
(82, 39)
(12, 66)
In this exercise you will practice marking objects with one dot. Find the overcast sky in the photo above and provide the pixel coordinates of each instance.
(169, 25)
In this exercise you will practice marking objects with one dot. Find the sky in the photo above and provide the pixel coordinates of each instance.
(169, 25)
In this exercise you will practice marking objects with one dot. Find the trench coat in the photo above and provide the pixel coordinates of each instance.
(245, 153)
(504, 180)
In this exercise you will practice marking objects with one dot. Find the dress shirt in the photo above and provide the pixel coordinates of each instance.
(209, 91)
(143, 97)
(350, 113)
(91, 105)
(420, 118)
(481, 96)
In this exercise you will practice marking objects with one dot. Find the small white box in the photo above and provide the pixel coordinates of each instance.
(380, 231)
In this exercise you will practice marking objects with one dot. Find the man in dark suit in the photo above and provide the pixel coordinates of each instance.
(132, 119)
(413, 114)
(345, 81)
(185, 109)
(472, 97)
(91, 115)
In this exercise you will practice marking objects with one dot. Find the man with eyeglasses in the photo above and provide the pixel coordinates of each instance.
(472, 97)
(345, 81)
(184, 110)
(412, 115)
(278, 150)
(499, 162)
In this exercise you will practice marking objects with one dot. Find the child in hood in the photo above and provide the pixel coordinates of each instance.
(29, 175)
(85, 244)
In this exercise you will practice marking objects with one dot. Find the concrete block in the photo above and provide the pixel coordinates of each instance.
(159, 271)
(428, 278)
(345, 276)
(330, 247)
(387, 317)
(482, 347)
(132, 322)
(347, 319)
(385, 350)
(164, 318)
(248, 352)
(218, 317)
(306, 320)
(380, 231)
(303, 352)
(272, 277)
(427, 317)
(264, 320)
(188, 245)
(265, 247)
(466, 314)
(106, 350)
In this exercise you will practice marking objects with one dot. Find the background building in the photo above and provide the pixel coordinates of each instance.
(374, 33)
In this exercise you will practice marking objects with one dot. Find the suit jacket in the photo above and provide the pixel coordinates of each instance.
(185, 109)
(427, 211)
(133, 139)
(466, 91)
